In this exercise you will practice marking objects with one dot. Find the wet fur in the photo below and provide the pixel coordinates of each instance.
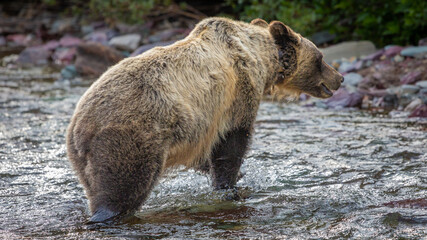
(192, 103)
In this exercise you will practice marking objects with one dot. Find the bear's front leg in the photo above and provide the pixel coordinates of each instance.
(227, 157)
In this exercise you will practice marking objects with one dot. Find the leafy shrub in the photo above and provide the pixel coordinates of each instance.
(382, 21)
(130, 11)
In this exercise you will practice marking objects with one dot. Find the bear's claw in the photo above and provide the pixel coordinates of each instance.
(102, 215)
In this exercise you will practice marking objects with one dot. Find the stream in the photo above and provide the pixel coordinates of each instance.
(310, 173)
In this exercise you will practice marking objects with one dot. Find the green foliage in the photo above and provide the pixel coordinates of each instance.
(382, 21)
(129, 11)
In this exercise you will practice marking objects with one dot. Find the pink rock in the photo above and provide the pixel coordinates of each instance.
(34, 55)
(147, 47)
(64, 56)
(18, 39)
(51, 45)
(411, 77)
(420, 111)
(168, 35)
(393, 51)
(343, 98)
(374, 56)
(69, 41)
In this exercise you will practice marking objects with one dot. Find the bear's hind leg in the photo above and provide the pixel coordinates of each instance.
(123, 166)
(227, 157)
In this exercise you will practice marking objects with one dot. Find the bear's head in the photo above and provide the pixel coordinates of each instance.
(302, 67)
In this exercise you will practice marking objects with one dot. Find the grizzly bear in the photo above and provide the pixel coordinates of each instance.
(190, 103)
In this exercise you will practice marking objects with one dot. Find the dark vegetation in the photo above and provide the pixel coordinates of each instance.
(401, 22)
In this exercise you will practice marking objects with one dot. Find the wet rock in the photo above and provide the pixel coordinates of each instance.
(389, 101)
(420, 111)
(392, 51)
(343, 98)
(69, 72)
(147, 47)
(422, 84)
(411, 77)
(352, 79)
(409, 89)
(413, 105)
(168, 34)
(128, 42)
(417, 52)
(69, 41)
(95, 58)
(51, 45)
(323, 37)
(34, 55)
(64, 55)
(347, 50)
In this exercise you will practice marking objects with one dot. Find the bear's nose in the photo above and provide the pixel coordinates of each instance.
(342, 79)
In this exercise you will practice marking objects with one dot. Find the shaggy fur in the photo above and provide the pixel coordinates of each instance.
(190, 103)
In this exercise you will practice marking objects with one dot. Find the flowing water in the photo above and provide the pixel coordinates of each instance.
(310, 173)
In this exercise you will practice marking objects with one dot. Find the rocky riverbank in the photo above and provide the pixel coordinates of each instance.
(390, 79)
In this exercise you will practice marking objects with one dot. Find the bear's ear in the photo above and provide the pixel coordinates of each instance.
(283, 34)
(259, 22)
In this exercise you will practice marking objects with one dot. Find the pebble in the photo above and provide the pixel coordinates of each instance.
(64, 55)
(2, 41)
(69, 41)
(413, 105)
(98, 37)
(352, 79)
(17, 39)
(34, 55)
(374, 56)
(420, 51)
(345, 67)
(147, 47)
(398, 58)
(69, 72)
(422, 84)
(51, 45)
(420, 111)
(95, 58)
(343, 98)
(409, 89)
(392, 51)
(128, 42)
(411, 77)
(63, 25)
(166, 35)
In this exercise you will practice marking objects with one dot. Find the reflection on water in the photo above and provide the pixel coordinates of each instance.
(310, 173)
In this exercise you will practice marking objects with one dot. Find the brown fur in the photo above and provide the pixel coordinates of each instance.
(172, 105)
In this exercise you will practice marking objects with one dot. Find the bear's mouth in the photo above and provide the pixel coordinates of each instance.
(326, 90)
